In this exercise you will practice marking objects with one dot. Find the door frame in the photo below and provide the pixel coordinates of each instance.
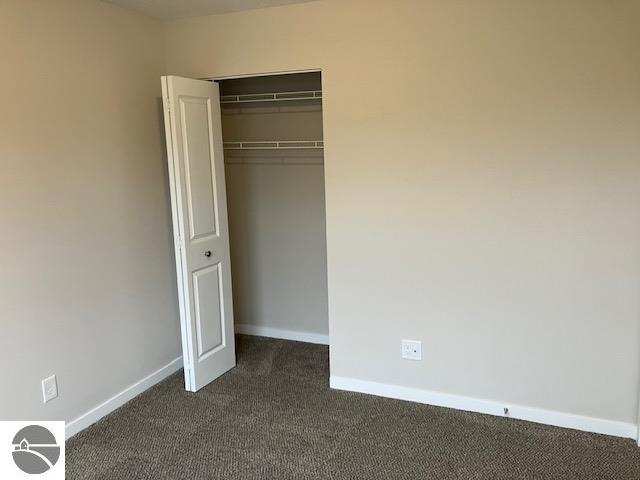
(213, 78)
(266, 74)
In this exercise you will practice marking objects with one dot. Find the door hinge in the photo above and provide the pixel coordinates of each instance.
(168, 103)
(179, 243)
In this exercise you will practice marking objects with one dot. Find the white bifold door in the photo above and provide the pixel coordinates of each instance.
(201, 231)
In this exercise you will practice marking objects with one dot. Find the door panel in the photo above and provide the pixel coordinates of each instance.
(199, 212)
(209, 309)
(198, 146)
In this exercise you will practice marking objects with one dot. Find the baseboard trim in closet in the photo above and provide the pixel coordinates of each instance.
(260, 331)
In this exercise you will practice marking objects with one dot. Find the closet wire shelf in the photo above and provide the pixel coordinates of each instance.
(271, 97)
(275, 145)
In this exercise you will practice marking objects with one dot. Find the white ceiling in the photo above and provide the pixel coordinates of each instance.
(169, 9)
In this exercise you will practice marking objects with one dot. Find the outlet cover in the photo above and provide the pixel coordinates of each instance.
(49, 388)
(412, 349)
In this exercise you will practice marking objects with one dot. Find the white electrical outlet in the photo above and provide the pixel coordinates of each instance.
(49, 388)
(412, 349)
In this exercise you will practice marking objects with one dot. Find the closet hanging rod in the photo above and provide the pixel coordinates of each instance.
(272, 97)
(275, 145)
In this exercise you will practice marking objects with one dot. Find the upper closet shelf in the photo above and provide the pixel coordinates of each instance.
(271, 97)
(276, 145)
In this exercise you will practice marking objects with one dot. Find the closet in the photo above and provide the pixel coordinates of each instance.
(274, 167)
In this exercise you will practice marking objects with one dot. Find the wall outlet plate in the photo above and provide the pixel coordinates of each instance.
(49, 388)
(412, 349)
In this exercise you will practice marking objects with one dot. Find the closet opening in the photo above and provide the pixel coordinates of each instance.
(274, 167)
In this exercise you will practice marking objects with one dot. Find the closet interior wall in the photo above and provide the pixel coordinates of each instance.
(276, 204)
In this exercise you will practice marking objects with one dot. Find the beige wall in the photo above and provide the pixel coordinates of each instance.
(482, 187)
(87, 288)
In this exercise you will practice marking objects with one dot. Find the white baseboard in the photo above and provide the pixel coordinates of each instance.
(260, 331)
(92, 416)
(537, 415)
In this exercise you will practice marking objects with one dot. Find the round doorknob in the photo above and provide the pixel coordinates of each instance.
(207, 253)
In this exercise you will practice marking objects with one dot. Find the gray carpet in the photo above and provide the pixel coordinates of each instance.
(274, 417)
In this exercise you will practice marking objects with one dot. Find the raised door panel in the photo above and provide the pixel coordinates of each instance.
(209, 310)
(200, 181)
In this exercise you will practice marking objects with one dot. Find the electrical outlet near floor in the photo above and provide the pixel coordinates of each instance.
(49, 388)
(412, 349)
